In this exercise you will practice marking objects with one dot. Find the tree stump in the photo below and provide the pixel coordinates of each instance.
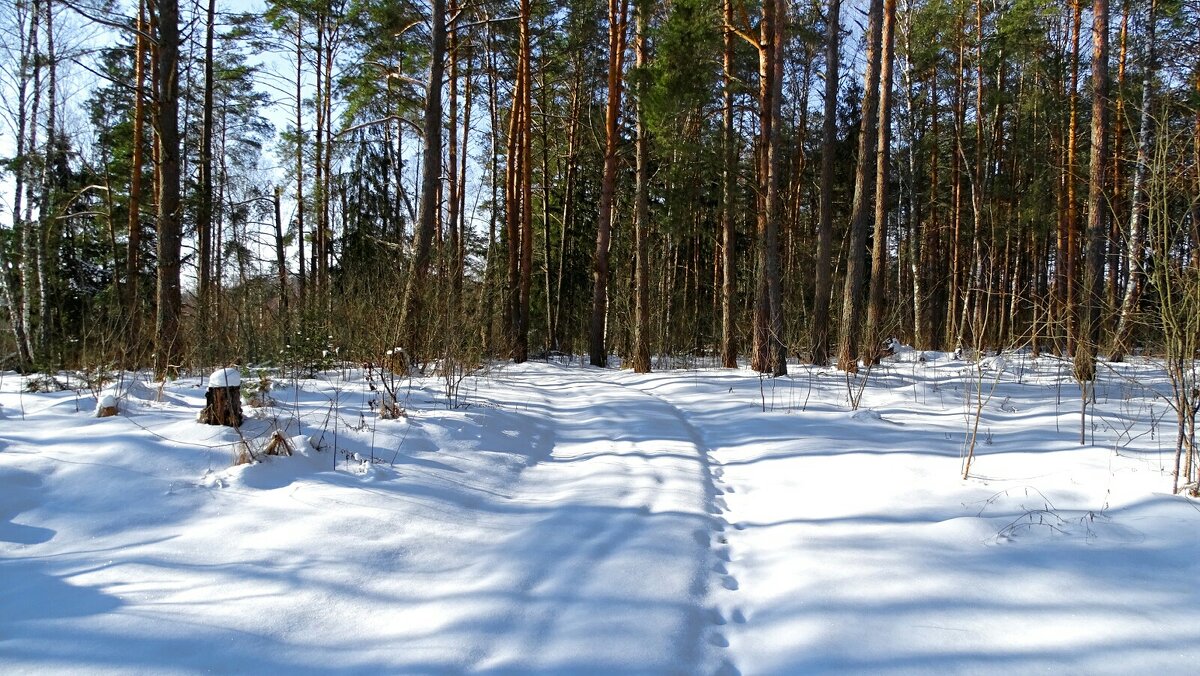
(223, 400)
(106, 407)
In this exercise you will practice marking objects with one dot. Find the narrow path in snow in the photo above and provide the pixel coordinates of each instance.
(634, 524)
(721, 601)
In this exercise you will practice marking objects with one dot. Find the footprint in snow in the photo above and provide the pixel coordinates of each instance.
(729, 582)
(718, 639)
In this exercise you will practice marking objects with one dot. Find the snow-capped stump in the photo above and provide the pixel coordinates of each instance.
(106, 407)
(223, 400)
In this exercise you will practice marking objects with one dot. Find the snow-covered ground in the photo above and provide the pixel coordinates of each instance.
(566, 519)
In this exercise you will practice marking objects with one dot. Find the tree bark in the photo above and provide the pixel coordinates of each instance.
(728, 198)
(1090, 309)
(617, 21)
(430, 179)
(852, 300)
(641, 210)
(204, 212)
(819, 345)
(302, 278)
(1138, 199)
(526, 186)
(1072, 224)
(879, 258)
(169, 301)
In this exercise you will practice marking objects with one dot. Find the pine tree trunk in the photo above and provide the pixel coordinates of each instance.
(204, 215)
(1090, 309)
(852, 301)
(302, 278)
(1072, 226)
(526, 186)
(641, 210)
(617, 21)
(431, 174)
(819, 344)
(168, 296)
(728, 187)
(879, 258)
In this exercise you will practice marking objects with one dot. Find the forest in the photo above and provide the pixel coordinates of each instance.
(599, 336)
(208, 183)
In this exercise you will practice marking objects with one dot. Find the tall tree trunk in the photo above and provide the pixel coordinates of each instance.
(302, 280)
(204, 215)
(526, 186)
(52, 168)
(453, 187)
(133, 247)
(641, 209)
(1072, 252)
(1138, 199)
(776, 349)
(31, 234)
(13, 296)
(618, 11)
(1085, 355)
(728, 188)
(431, 170)
(879, 258)
(280, 253)
(824, 278)
(932, 235)
(852, 300)
(166, 325)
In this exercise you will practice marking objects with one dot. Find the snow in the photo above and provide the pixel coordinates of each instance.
(225, 378)
(577, 520)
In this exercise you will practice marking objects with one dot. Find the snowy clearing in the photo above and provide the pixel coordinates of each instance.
(566, 519)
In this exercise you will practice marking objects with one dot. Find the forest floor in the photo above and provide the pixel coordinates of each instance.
(567, 519)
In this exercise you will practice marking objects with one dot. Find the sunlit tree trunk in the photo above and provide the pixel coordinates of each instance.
(1093, 287)
(824, 260)
(617, 23)
(641, 210)
(852, 300)
(1138, 198)
(879, 257)
(169, 301)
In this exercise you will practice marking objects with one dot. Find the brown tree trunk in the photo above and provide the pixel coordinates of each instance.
(879, 258)
(728, 187)
(280, 255)
(431, 171)
(526, 188)
(134, 245)
(819, 344)
(769, 354)
(1072, 252)
(617, 22)
(1091, 307)
(204, 212)
(852, 300)
(300, 157)
(641, 210)
(168, 295)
